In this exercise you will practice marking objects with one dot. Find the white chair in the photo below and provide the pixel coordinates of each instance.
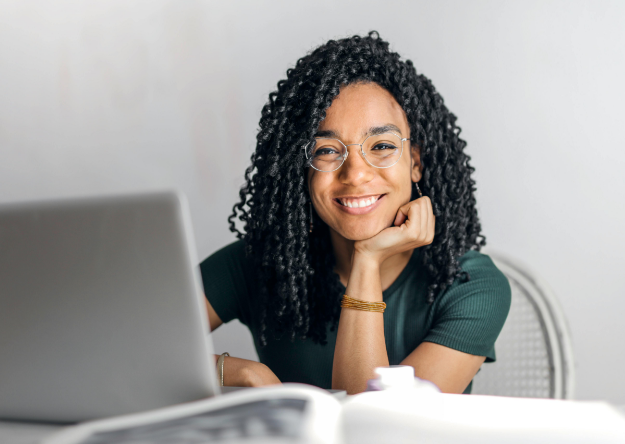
(534, 352)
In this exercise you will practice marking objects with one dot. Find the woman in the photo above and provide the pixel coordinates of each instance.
(359, 194)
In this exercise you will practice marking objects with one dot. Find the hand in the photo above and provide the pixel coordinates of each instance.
(413, 227)
(244, 373)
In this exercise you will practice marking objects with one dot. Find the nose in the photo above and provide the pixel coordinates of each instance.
(355, 171)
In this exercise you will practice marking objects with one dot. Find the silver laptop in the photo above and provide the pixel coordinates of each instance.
(101, 309)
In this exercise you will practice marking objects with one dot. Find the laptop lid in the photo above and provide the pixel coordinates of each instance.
(101, 309)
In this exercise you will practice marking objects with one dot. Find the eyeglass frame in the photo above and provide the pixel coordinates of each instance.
(362, 152)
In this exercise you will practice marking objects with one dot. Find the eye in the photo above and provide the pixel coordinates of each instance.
(383, 146)
(325, 151)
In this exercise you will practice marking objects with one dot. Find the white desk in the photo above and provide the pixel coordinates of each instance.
(30, 433)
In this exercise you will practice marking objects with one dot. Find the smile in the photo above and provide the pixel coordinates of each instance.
(358, 202)
(358, 205)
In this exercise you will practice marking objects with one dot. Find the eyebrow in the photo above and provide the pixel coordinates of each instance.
(373, 131)
(389, 127)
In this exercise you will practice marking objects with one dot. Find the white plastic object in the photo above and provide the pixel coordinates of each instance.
(395, 376)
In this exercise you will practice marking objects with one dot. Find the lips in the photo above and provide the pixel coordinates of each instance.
(358, 205)
(358, 202)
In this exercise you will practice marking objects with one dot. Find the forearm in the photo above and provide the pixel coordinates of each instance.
(245, 373)
(360, 344)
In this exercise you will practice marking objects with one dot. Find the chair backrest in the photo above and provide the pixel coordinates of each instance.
(534, 352)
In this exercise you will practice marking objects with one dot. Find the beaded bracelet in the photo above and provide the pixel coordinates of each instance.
(357, 304)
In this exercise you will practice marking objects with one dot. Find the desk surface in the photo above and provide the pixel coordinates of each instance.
(31, 433)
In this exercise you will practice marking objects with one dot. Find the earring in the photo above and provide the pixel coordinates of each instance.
(311, 217)
(418, 190)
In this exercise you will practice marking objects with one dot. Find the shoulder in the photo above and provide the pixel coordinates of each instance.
(469, 315)
(485, 292)
(234, 250)
(481, 267)
(226, 276)
(232, 256)
(229, 263)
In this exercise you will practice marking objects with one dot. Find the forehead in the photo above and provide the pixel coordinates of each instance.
(359, 107)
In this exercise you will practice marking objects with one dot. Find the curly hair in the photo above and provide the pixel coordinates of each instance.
(298, 287)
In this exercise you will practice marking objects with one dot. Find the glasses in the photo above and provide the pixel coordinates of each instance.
(379, 150)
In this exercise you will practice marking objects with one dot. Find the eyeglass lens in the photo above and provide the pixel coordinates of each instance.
(381, 151)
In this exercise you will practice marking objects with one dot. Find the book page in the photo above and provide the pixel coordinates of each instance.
(271, 420)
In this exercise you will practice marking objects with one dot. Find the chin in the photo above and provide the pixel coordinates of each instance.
(361, 233)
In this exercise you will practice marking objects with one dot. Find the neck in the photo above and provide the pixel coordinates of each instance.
(343, 249)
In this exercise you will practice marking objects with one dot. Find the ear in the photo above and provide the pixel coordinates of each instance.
(416, 165)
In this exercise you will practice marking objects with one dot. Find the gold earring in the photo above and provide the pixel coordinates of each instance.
(418, 190)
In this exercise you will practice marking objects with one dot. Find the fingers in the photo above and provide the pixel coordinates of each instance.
(401, 217)
(431, 223)
(429, 230)
(413, 227)
(425, 209)
(403, 214)
(418, 218)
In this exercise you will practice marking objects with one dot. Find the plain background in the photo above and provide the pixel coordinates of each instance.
(117, 96)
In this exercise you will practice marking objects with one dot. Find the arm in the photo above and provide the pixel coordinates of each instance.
(241, 372)
(451, 370)
(214, 320)
(360, 344)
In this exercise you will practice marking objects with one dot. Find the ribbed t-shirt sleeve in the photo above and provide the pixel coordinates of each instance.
(470, 315)
(224, 276)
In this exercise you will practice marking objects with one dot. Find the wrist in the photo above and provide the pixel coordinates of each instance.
(366, 259)
(364, 278)
(244, 373)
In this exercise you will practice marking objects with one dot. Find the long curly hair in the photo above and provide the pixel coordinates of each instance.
(298, 288)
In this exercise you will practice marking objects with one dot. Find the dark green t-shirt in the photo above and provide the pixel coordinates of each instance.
(468, 316)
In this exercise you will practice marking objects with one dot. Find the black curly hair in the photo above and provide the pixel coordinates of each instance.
(299, 290)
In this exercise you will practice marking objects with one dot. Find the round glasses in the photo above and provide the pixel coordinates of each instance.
(379, 150)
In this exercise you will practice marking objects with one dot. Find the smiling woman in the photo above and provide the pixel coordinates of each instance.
(360, 239)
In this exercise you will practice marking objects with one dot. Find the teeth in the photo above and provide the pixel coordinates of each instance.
(352, 203)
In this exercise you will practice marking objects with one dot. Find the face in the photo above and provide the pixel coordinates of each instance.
(355, 111)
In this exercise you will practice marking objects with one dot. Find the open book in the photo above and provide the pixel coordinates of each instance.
(295, 413)
(291, 413)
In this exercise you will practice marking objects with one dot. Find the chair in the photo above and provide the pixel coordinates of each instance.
(534, 352)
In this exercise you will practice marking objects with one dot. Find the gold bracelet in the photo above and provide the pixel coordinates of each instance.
(220, 368)
(358, 304)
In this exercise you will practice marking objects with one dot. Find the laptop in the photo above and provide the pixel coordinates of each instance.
(101, 308)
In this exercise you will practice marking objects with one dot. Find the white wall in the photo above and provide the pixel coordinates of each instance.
(113, 96)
